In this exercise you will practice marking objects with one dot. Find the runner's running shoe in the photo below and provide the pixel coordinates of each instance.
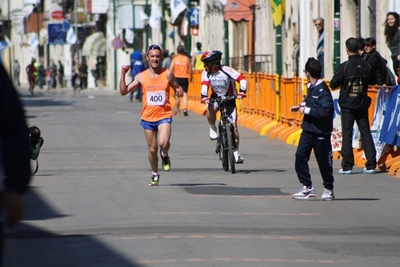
(328, 195)
(305, 193)
(165, 162)
(154, 180)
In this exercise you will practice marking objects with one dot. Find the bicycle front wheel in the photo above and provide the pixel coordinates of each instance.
(231, 157)
(224, 151)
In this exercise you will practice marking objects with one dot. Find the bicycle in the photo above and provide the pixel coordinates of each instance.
(226, 140)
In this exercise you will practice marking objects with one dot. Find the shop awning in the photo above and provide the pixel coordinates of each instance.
(238, 10)
(95, 45)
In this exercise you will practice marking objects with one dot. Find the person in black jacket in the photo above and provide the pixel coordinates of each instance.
(354, 76)
(15, 152)
(377, 62)
(317, 127)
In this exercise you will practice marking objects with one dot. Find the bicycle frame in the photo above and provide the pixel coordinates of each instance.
(226, 140)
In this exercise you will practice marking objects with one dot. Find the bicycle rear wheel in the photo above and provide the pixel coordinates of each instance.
(231, 157)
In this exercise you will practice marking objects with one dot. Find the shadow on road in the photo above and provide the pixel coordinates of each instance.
(25, 246)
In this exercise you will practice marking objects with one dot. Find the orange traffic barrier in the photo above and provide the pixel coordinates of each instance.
(286, 100)
(264, 96)
(297, 116)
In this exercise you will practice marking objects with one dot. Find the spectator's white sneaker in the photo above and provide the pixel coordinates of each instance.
(305, 193)
(328, 195)
(213, 133)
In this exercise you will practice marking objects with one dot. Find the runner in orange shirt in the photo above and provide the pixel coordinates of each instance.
(156, 111)
(182, 69)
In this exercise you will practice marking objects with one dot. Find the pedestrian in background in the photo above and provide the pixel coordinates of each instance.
(15, 152)
(361, 47)
(16, 72)
(196, 58)
(182, 70)
(31, 72)
(392, 35)
(375, 60)
(317, 128)
(156, 115)
(353, 78)
(137, 66)
(166, 62)
(295, 55)
(61, 74)
(319, 24)
(52, 73)
(42, 74)
(37, 65)
(83, 73)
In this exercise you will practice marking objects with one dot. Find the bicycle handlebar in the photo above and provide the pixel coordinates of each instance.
(221, 99)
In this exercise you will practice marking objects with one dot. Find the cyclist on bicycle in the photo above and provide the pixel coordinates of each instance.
(222, 81)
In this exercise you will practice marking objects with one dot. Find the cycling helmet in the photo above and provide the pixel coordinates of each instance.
(213, 56)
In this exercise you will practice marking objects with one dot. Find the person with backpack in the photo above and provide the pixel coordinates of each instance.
(353, 77)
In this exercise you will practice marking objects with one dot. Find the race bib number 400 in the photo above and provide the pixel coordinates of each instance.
(156, 98)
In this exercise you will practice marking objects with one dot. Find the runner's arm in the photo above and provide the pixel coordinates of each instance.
(123, 87)
(174, 84)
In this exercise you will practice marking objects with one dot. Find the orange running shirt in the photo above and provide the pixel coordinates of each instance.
(181, 67)
(156, 105)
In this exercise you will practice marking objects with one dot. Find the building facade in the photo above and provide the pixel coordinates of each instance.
(243, 30)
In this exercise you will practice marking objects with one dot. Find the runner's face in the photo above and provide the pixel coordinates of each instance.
(154, 58)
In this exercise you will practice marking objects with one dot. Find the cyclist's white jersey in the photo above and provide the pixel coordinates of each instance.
(222, 82)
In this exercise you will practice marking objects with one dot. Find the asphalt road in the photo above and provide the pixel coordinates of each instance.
(90, 203)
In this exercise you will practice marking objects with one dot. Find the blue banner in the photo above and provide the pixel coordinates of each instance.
(391, 123)
(58, 33)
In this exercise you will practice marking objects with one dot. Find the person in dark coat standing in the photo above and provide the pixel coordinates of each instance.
(353, 78)
(316, 135)
(60, 74)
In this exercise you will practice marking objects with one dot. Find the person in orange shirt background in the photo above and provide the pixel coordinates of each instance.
(181, 67)
(156, 115)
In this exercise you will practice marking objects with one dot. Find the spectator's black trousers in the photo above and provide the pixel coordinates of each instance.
(323, 153)
(348, 117)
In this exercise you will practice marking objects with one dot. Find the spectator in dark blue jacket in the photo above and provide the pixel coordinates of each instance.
(137, 66)
(317, 129)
